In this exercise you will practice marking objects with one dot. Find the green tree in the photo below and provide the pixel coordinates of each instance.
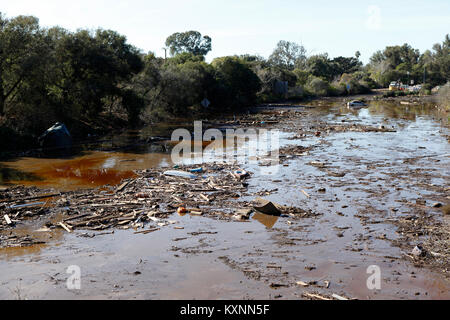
(343, 65)
(190, 41)
(288, 55)
(237, 83)
(437, 63)
(22, 53)
(321, 66)
(91, 69)
(393, 63)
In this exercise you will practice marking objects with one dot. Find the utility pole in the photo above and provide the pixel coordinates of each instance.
(165, 53)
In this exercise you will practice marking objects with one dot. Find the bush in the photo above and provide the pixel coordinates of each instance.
(318, 86)
(237, 84)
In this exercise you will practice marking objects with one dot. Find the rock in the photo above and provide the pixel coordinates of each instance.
(437, 205)
(267, 207)
(56, 138)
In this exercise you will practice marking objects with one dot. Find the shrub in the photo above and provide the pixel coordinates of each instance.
(318, 86)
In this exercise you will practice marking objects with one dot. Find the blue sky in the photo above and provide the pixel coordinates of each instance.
(254, 26)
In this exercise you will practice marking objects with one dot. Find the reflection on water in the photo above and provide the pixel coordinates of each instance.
(11, 252)
(92, 170)
(398, 111)
(267, 220)
(8, 174)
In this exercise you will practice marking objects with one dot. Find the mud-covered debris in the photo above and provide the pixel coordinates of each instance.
(241, 174)
(418, 251)
(446, 210)
(243, 214)
(18, 241)
(278, 285)
(267, 207)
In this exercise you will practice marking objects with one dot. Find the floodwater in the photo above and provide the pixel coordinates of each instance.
(366, 176)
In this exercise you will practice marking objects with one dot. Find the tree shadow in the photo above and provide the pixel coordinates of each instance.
(8, 175)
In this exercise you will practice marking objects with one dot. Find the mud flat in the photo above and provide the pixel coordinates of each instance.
(353, 189)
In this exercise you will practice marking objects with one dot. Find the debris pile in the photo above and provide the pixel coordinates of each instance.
(144, 202)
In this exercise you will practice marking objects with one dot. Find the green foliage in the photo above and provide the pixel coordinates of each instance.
(22, 51)
(405, 63)
(302, 76)
(318, 86)
(90, 68)
(237, 84)
(190, 41)
(184, 57)
(288, 55)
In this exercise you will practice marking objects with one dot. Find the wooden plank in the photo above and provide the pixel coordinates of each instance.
(122, 186)
(338, 297)
(315, 296)
(146, 231)
(65, 227)
(303, 284)
(8, 220)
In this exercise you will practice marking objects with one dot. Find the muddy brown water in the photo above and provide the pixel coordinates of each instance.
(240, 260)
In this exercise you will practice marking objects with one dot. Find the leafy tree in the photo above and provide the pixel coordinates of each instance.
(90, 68)
(288, 55)
(321, 66)
(318, 86)
(184, 57)
(179, 87)
(190, 41)
(437, 62)
(22, 52)
(345, 65)
(393, 63)
(237, 83)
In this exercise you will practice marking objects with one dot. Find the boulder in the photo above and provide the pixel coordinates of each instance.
(56, 138)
